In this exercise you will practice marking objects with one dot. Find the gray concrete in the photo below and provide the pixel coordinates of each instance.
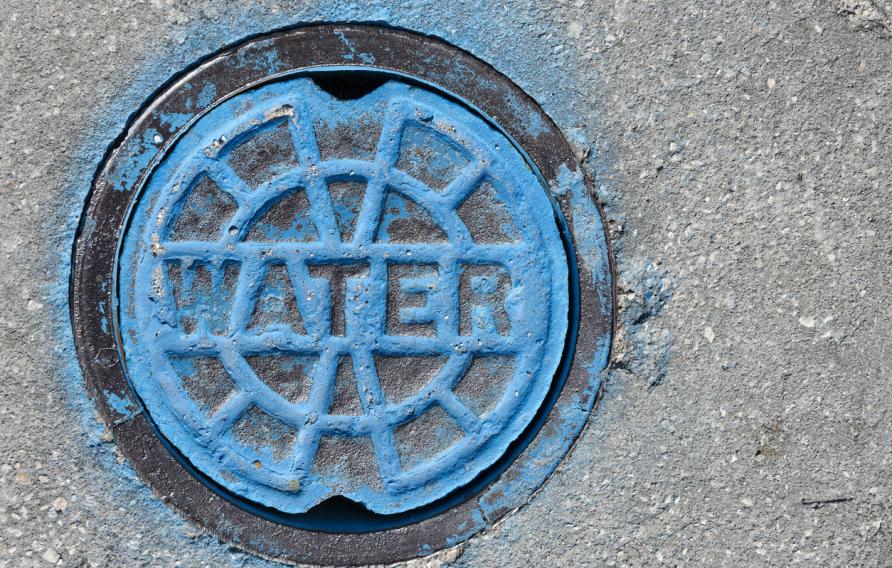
(742, 151)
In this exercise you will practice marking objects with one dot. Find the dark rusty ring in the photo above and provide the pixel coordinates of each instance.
(287, 53)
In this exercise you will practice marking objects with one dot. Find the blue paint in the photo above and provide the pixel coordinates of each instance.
(527, 115)
(207, 95)
(647, 351)
(468, 529)
(142, 153)
(171, 121)
(366, 58)
(540, 456)
(591, 245)
(481, 28)
(514, 492)
(104, 322)
(401, 221)
(122, 406)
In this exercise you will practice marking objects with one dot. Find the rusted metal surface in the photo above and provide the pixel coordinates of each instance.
(270, 511)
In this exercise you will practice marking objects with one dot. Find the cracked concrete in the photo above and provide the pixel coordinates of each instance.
(742, 147)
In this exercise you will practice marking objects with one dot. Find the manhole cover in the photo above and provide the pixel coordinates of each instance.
(343, 285)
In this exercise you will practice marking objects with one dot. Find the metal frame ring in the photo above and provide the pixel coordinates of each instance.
(336, 50)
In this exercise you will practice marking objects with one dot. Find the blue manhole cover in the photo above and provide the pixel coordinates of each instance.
(342, 295)
(362, 298)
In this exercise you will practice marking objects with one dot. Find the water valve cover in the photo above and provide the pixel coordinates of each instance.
(365, 298)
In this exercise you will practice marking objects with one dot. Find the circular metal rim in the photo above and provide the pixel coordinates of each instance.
(270, 57)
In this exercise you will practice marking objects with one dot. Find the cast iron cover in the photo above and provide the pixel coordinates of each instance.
(343, 283)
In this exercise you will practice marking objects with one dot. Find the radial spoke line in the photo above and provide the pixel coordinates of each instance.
(368, 385)
(452, 371)
(376, 185)
(323, 383)
(197, 250)
(322, 210)
(225, 177)
(318, 402)
(386, 454)
(458, 411)
(387, 151)
(433, 204)
(306, 443)
(226, 417)
(464, 184)
(303, 137)
(370, 213)
(240, 222)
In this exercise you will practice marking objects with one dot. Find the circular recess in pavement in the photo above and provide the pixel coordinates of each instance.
(342, 285)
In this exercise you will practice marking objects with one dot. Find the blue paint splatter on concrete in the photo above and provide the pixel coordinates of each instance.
(646, 288)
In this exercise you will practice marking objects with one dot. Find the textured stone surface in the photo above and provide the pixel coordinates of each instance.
(741, 149)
